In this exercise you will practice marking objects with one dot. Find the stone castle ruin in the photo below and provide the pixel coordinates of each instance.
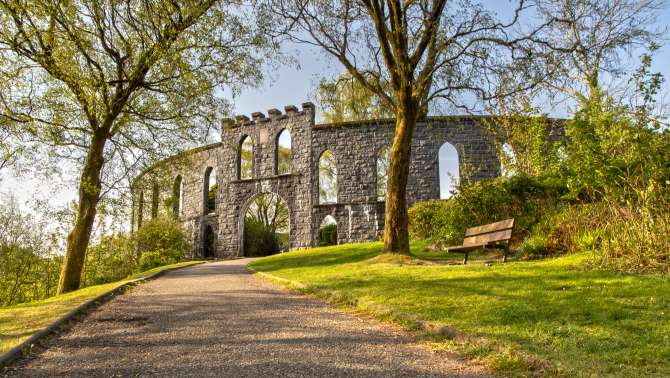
(179, 186)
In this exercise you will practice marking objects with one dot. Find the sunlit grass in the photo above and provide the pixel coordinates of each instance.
(19, 322)
(548, 317)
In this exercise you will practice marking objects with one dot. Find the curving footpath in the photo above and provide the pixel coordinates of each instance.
(218, 320)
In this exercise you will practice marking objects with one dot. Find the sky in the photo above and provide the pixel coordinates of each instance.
(291, 85)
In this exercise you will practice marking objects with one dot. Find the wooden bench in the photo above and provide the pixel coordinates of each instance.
(492, 235)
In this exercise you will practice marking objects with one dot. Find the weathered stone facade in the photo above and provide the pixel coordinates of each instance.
(356, 146)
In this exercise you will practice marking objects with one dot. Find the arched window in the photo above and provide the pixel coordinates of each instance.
(383, 160)
(154, 201)
(140, 210)
(177, 197)
(246, 158)
(284, 153)
(448, 169)
(507, 160)
(209, 191)
(327, 178)
(328, 231)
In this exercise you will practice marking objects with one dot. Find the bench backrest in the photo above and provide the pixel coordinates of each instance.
(489, 233)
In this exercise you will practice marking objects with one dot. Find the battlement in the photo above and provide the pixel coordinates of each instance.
(273, 115)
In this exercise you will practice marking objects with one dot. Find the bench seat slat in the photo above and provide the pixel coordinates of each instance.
(483, 239)
(491, 227)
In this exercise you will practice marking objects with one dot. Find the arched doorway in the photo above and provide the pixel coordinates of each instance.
(208, 242)
(265, 226)
(328, 231)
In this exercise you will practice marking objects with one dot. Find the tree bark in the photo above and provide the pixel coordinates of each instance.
(89, 195)
(396, 235)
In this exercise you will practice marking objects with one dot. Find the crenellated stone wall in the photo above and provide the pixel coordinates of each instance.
(356, 146)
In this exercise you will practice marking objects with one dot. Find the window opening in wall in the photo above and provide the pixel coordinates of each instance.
(507, 160)
(327, 177)
(382, 172)
(154, 201)
(246, 158)
(140, 210)
(177, 197)
(284, 153)
(448, 167)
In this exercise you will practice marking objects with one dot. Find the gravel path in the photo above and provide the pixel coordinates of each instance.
(217, 320)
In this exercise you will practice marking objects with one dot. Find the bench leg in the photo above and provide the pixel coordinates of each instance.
(505, 252)
(465, 259)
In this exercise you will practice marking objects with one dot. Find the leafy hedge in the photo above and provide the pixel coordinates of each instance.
(527, 199)
(259, 240)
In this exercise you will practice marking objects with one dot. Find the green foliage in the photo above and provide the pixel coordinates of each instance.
(163, 240)
(28, 268)
(114, 257)
(524, 198)
(346, 99)
(246, 159)
(259, 240)
(284, 160)
(328, 235)
(327, 177)
(523, 139)
(211, 198)
(534, 246)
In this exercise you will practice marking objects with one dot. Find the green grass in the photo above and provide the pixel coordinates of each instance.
(19, 322)
(548, 317)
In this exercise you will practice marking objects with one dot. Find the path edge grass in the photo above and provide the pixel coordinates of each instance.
(24, 347)
(437, 337)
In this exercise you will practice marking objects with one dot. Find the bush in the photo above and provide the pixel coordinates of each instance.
(163, 241)
(524, 198)
(533, 247)
(111, 259)
(150, 260)
(328, 235)
(29, 267)
(259, 240)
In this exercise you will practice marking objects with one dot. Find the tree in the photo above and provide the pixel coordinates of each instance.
(345, 99)
(411, 53)
(109, 86)
(270, 211)
(593, 36)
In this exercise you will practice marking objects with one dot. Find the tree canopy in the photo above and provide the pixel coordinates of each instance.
(111, 86)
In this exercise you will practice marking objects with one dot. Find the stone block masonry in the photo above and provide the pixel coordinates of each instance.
(356, 146)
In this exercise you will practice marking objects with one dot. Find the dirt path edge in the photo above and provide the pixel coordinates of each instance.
(24, 348)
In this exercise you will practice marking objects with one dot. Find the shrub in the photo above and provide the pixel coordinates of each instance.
(533, 247)
(524, 198)
(162, 237)
(29, 267)
(150, 260)
(328, 235)
(259, 240)
(111, 259)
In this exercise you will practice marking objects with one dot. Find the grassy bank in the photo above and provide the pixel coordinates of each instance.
(547, 317)
(18, 323)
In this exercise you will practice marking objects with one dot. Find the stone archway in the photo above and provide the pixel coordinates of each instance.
(208, 242)
(266, 216)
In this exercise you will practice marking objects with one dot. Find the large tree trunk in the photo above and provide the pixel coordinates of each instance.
(89, 195)
(396, 235)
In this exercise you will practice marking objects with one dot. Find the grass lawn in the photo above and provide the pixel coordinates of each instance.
(17, 323)
(546, 317)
